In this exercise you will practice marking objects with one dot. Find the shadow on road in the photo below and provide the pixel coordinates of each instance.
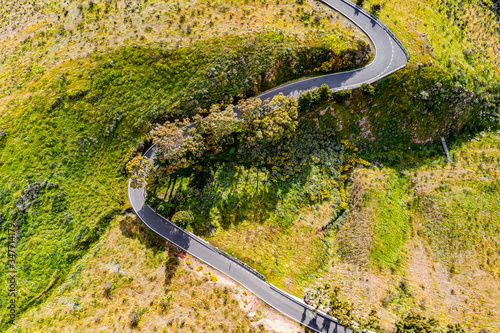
(162, 226)
(319, 324)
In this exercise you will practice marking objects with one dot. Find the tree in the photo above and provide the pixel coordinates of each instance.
(183, 218)
(216, 129)
(265, 124)
(137, 168)
(281, 121)
(308, 99)
(251, 112)
(172, 145)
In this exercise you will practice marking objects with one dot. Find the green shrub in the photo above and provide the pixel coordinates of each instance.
(166, 301)
(309, 99)
(342, 95)
(367, 89)
(416, 323)
(325, 94)
(183, 218)
(375, 8)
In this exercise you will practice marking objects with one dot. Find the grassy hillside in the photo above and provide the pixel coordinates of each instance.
(35, 36)
(427, 238)
(419, 235)
(132, 280)
(422, 234)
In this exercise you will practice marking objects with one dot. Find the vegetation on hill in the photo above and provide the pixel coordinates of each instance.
(80, 84)
(420, 229)
(67, 130)
(450, 89)
(36, 36)
(133, 280)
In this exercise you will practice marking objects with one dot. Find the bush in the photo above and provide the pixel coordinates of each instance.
(134, 319)
(375, 8)
(183, 218)
(367, 89)
(416, 323)
(457, 328)
(325, 94)
(108, 287)
(342, 95)
(308, 99)
(165, 302)
(360, 3)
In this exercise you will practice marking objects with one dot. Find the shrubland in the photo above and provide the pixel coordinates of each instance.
(36, 36)
(421, 237)
(133, 280)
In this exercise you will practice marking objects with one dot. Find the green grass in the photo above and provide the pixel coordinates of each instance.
(458, 205)
(429, 226)
(278, 194)
(36, 36)
(450, 35)
(101, 290)
(390, 223)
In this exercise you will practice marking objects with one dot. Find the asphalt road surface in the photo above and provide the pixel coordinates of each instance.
(390, 56)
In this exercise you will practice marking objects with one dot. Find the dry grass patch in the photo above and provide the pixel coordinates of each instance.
(132, 280)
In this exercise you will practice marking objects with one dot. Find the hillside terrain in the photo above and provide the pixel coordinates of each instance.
(379, 228)
(76, 114)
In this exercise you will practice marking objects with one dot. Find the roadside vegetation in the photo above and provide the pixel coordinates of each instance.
(224, 172)
(410, 245)
(36, 36)
(420, 242)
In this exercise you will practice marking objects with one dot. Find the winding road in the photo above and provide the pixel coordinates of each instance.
(390, 56)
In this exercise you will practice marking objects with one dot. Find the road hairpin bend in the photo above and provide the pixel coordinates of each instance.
(390, 56)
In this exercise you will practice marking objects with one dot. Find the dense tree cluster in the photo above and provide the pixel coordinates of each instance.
(199, 148)
(262, 138)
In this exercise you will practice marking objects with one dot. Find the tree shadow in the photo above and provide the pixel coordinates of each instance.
(132, 227)
(245, 200)
(172, 264)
